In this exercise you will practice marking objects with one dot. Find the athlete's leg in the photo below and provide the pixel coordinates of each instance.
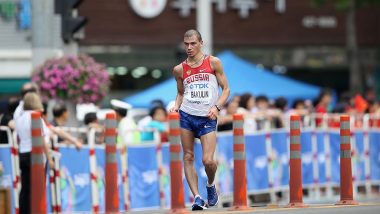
(187, 138)
(208, 147)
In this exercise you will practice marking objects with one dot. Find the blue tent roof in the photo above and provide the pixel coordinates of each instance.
(242, 77)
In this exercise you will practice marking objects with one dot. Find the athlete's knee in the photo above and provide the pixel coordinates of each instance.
(188, 156)
(208, 162)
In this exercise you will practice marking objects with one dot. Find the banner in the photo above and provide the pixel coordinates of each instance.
(75, 180)
(280, 159)
(224, 153)
(358, 163)
(101, 166)
(374, 153)
(166, 176)
(320, 135)
(335, 157)
(307, 158)
(7, 175)
(256, 163)
(143, 177)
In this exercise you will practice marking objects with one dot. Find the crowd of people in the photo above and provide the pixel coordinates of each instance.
(260, 113)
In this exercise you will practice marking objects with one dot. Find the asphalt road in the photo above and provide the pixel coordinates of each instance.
(362, 208)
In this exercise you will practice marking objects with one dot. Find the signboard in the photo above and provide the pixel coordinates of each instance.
(148, 8)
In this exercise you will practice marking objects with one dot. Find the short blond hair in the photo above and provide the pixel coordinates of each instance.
(32, 102)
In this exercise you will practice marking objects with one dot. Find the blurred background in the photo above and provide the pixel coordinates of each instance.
(315, 58)
(324, 43)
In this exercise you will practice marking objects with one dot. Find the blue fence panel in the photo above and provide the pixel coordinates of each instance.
(374, 153)
(225, 163)
(335, 157)
(101, 164)
(6, 177)
(321, 157)
(143, 177)
(358, 157)
(256, 162)
(166, 178)
(280, 158)
(307, 158)
(75, 180)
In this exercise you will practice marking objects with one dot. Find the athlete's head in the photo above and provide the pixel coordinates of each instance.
(193, 42)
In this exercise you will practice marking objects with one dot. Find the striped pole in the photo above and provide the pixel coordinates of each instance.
(111, 191)
(56, 176)
(53, 197)
(327, 151)
(295, 180)
(314, 149)
(160, 173)
(346, 190)
(124, 175)
(240, 179)
(176, 184)
(367, 166)
(38, 185)
(93, 172)
(17, 162)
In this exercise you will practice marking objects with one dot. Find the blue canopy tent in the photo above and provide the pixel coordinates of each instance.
(242, 77)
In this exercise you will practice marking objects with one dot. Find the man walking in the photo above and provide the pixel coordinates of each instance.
(198, 80)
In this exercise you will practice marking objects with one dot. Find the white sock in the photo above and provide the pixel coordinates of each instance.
(209, 185)
(197, 196)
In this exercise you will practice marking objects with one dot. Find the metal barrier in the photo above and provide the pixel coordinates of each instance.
(321, 163)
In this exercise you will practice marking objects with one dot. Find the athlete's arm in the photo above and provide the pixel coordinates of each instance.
(177, 72)
(216, 65)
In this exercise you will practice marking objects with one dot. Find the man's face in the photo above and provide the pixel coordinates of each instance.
(192, 45)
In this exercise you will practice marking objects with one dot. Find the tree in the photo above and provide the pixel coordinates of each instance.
(350, 7)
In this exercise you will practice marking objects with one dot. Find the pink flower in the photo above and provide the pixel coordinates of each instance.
(80, 79)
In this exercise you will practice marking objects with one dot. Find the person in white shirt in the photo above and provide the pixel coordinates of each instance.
(31, 102)
(127, 133)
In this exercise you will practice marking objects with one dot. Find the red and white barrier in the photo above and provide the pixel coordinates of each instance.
(38, 185)
(124, 175)
(295, 177)
(93, 171)
(346, 187)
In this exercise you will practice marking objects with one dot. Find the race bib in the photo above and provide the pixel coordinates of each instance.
(199, 93)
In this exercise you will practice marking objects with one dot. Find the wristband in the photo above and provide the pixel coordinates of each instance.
(217, 107)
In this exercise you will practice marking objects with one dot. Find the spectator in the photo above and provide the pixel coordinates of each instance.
(246, 103)
(158, 123)
(278, 115)
(27, 87)
(63, 137)
(91, 122)
(299, 108)
(263, 116)
(60, 115)
(145, 121)
(127, 133)
(225, 119)
(31, 102)
(246, 106)
(7, 119)
(323, 105)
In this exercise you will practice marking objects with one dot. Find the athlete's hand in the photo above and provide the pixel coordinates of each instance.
(213, 113)
(174, 109)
